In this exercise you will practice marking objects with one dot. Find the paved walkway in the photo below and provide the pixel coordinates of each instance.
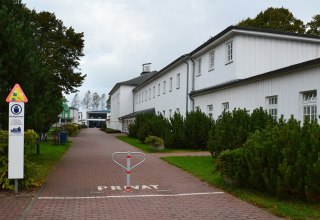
(87, 184)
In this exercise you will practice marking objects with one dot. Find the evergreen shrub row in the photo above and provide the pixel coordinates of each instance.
(177, 132)
(282, 159)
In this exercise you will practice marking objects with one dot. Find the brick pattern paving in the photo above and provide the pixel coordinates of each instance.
(71, 191)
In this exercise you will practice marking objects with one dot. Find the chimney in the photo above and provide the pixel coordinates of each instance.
(146, 68)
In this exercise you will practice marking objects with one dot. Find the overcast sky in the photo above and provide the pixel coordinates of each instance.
(121, 35)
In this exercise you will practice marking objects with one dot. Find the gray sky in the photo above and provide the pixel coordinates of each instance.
(121, 35)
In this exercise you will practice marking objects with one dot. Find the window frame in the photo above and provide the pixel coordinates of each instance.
(211, 60)
(229, 52)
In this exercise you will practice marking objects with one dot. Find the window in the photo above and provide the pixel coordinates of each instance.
(197, 108)
(199, 66)
(225, 106)
(229, 52)
(146, 95)
(211, 60)
(309, 104)
(272, 106)
(178, 80)
(164, 87)
(139, 98)
(158, 89)
(170, 113)
(210, 109)
(154, 91)
(177, 110)
(170, 84)
(150, 93)
(164, 113)
(142, 97)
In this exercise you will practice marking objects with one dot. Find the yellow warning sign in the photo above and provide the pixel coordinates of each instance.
(17, 95)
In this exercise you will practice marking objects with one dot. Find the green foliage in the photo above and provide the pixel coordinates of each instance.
(276, 19)
(30, 169)
(176, 136)
(230, 131)
(154, 140)
(284, 160)
(72, 129)
(314, 26)
(40, 54)
(112, 131)
(197, 126)
(229, 163)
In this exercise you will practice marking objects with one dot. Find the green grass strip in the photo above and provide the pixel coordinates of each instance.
(203, 167)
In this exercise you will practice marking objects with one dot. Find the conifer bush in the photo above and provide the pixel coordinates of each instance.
(176, 135)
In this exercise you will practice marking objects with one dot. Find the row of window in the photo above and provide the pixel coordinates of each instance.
(145, 95)
(170, 113)
(228, 54)
(309, 105)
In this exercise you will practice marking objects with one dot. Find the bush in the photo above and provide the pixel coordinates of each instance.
(72, 129)
(111, 131)
(197, 126)
(176, 136)
(154, 141)
(230, 165)
(30, 169)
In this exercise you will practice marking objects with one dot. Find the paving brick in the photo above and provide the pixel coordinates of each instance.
(88, 164)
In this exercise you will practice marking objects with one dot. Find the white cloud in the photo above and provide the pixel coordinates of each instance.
(121, 35)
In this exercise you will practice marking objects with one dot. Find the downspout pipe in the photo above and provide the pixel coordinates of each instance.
(184, 58)
(193, 79)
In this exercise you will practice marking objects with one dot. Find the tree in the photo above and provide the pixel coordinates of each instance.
(103, 102)
(87, 100)
(75, 101)
(109, 102)
(314, 26)
(95, 101)
(20, 62)
(275, 19)
(61, 49)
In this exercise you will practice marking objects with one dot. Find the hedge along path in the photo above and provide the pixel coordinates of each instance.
(160, 191)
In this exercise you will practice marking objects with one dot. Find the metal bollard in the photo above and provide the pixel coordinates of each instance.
(128, 168)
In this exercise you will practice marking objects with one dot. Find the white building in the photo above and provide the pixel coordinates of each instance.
(238, 68)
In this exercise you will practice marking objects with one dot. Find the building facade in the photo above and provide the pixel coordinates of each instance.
(238, 68)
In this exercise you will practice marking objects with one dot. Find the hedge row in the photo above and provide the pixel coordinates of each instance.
(283, 159)
(30, 169)
(177, 132)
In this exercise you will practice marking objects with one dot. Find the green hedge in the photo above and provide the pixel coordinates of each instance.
(30, 169)
(283, 159)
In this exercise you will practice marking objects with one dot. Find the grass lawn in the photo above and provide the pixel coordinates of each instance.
(146, 148)
(48, 157)
(203, 168)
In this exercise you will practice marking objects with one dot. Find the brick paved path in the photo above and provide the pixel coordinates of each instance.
(87, 184)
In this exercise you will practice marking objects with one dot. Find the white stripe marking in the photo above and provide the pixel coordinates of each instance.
(128, 196)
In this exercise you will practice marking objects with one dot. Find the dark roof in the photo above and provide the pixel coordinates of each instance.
(179, 59)
(134, 114)
(274, 73)
(252, 29)
(135, 81)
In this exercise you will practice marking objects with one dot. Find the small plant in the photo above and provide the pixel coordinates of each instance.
(155, 142)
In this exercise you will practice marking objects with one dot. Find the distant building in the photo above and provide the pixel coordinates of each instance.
(94, 119)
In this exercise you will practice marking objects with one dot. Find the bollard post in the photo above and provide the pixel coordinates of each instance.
(129, 167)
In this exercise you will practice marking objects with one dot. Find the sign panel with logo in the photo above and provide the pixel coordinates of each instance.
(16, 100)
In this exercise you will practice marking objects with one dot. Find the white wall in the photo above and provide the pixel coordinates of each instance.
(288, 88)
(170, 100)
(253, 55)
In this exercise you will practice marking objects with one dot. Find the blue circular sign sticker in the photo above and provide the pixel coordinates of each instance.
(16, 109)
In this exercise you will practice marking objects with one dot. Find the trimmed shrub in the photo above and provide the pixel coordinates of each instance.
(72, 129)
(112, 131)
(176, 136)
(154, 140)
(197, 125)
(230, 164)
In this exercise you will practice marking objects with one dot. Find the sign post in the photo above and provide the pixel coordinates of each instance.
(16, 99)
